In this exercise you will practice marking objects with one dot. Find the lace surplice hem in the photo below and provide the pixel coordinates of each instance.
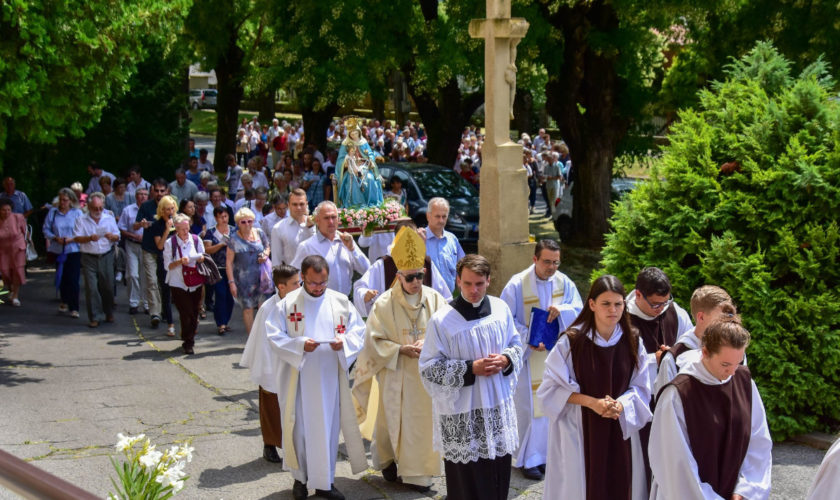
(481, 433)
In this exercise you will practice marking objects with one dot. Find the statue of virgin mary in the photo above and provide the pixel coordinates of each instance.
(358, 177)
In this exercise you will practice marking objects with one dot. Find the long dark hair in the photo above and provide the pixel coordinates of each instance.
(585, 322)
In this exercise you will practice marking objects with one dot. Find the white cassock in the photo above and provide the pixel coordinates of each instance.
(565, 473)
(672, 462)
(286, 236)
(480, 418)
(342, 262)
(827, 482)
(374, 279)
(257, 354)
(377, 244)
(559, 290)
(312, 387)
(668, 366)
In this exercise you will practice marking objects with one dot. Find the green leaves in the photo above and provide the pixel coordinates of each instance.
(768, 232)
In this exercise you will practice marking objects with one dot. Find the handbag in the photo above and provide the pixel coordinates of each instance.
(31, 253)
(209, 270)
(266, 283)
(189, 273)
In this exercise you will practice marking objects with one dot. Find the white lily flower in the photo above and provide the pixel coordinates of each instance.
(151, 458)
(185, 452)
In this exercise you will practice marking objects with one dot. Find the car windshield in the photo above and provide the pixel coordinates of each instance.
(443, 183)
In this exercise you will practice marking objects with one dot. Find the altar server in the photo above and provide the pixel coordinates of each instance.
(595, 392)
(710, 437)
(387, 375)
(316, 334)
(541, 285)
(469, 364)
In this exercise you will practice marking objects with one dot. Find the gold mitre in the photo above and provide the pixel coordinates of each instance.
(409, 251)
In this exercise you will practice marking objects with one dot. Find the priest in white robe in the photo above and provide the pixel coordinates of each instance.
(383, 272)
(387, 377)
(827, 481)
(258, 357)
(709, 437)
(316, 334)
(542, 286)
(469, 365)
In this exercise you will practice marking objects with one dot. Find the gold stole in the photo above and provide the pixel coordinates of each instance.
(296, 327)
(536, 361)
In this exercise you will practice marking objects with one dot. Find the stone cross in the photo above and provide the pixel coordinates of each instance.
(503, 223)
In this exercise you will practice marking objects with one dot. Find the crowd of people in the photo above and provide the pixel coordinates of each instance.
(630, 397)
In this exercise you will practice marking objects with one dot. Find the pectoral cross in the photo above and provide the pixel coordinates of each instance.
(341, 328)
(295, 317)
(414, 332)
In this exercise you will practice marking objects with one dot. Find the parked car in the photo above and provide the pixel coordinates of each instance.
(562, 214)
(203, 98)
(424, 181)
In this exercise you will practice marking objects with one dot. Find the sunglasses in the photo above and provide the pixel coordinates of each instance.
(414, 276)
(246, 222)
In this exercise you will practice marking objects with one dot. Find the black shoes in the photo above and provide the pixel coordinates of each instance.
(188, 350)
(390, 472)
(155, 321)
(270, 454)
(299, 491)
(541, 468)
(333, 494)
(132, 310)
(532, 473)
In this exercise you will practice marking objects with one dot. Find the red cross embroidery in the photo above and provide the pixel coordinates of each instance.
(295, 317)
(341, 328)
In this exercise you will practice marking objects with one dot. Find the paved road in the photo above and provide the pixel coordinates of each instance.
(67, 390)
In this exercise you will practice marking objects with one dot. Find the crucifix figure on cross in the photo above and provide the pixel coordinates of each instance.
(295, 317)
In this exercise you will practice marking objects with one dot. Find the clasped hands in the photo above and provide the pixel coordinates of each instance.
(607, 407)
(491, 365)
(412, 350)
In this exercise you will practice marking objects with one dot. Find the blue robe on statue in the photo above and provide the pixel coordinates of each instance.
(354, 192)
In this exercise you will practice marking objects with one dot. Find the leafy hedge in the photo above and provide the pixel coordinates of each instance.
(748, 198)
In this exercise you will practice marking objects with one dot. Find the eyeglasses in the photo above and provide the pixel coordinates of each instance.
(414, 276)
(247, 221)
(553, 263)
(659, 305)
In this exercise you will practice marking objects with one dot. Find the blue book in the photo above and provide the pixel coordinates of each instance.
(542, 330)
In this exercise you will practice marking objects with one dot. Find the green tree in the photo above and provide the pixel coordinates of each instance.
(62, 61)
(748, 198)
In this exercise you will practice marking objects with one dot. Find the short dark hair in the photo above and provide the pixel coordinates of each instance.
(725, 332)
(6, 201)
(546, 244)
(316, 263)
(203, 151)
(221, 209)
(118, 182)
(134, 168)
(653, 281)
(160, 182)
(475, 263)
(230, 157)
(281, 274)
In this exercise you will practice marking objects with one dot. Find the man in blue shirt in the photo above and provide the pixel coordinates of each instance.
(441, 245)
(20, 202)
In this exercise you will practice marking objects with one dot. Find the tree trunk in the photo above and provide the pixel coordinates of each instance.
(377, 108)
(445, 119)
(523, 107)
(229, 73)
(585, 104)
(266, 105)
(315, 124)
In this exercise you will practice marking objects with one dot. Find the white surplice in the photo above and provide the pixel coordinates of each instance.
(480, 418)
(374, 279)
(565, 473)
(377, 244)
(318, 414)
(257, 353)
(533, 431)
(827, 482)
(668, 366)
(672, 462)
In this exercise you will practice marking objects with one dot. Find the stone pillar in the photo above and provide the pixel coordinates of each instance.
(503, 223)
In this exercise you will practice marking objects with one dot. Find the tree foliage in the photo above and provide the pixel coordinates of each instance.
(61, 61)
(767, 229)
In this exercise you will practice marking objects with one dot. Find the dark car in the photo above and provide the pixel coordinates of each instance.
(424, 181)
(562, 213)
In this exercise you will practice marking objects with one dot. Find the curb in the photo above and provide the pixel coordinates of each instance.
(818, 440)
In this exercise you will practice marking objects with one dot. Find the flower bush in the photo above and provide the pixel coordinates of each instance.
(148, 474)
(748, 198)
(370, 218)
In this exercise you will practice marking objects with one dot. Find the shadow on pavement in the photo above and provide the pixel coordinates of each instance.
(9, 376)
(244, 473)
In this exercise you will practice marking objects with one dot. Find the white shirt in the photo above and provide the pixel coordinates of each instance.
(286, 235)
(86, 226)
(259, 180)
(131, 187)
(126, 223)
(206, 166)
(192, 249)
(270, 220)
(342, 261)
